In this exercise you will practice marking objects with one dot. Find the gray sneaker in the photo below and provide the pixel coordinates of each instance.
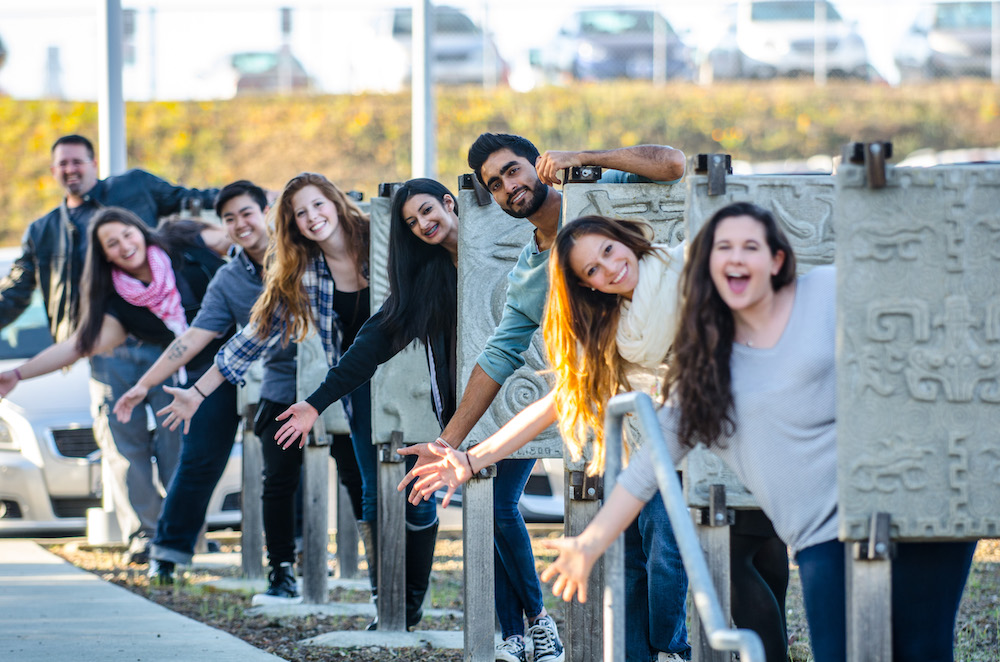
(511, 649)
(545, 641)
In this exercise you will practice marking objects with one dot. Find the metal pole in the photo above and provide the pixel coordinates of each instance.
(614, 557)
(423, 114)
(995, 43)
(819, 44)
(659, 49)
(110, 101)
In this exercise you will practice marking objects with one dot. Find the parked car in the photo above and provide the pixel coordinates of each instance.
(599, 44)
(463, 55)
(49, 462)
(269, 72)
(770, 38)
(952, 39)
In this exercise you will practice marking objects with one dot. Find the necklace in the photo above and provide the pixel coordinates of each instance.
(749, 343)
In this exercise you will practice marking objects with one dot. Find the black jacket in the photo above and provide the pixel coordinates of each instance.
(53, 250)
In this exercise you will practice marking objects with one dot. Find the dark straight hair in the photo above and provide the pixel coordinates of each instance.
(488, 143)
(423, 282)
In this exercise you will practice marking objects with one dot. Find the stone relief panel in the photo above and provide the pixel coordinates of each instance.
(310, 371)
(803, 205)
(918, 360)
(489, 244)
(401, 387)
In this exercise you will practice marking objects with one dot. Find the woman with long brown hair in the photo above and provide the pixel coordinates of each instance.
(316, 279)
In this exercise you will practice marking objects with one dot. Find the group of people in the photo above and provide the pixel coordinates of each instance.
(737, 349)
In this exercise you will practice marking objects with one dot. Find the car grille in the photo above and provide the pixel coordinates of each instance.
(74, 507)
(78, 442)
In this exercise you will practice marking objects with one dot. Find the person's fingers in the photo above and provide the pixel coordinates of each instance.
(447, 497)
(409, 450)
(172, 390)
(407, 479)
(283, 415)
(187, 425)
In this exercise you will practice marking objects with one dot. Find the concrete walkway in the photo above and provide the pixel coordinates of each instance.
(51, 611)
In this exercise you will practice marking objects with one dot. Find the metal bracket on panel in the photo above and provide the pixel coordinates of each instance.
(357, 196)
(584, 487)
(717, 514)
(318, 437)
(387, 452)
(469, 182)
(878, 547)
(873, 156)
(486, 472)
(386, 189)
(581, 174)
(716, 166)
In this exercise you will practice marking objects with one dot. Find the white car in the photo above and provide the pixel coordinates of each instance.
(50, 470)
(770, 38)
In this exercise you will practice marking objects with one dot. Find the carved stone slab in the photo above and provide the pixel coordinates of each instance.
(489, 244)
(803, 205)
(310, 371)
(660, 206)
(918, 364)
(248, 395)
(401, 391)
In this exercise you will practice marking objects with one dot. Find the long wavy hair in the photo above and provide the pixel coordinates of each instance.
(579, 329)
(698, 373)
(97, 285)
(422, 299)
(289, 253)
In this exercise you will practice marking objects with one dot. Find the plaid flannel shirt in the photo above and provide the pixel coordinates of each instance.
(235, 357)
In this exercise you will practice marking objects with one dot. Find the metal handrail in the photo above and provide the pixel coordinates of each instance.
(717, 631)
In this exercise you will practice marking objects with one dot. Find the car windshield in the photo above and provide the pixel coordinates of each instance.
(28, 334)
(779, 10)
(255, 63)
(963, 15)
(617, 22)
(446, 21)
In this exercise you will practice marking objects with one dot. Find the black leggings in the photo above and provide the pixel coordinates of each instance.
(758, 564)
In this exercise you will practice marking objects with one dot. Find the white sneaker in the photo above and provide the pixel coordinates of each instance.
(511, 649)
(669, 657)
(545, 641)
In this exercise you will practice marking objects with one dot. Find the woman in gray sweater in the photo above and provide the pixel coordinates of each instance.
(753, 377)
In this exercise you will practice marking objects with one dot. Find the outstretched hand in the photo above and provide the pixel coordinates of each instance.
(8, 380)
(450, 470)
(301, 418)
(128, 402)
(571, 570)
(550, 163)
(183, 407)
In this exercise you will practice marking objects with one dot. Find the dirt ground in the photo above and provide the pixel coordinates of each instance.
(976, 640)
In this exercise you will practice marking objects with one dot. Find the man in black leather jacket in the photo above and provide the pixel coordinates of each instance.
(53, 251)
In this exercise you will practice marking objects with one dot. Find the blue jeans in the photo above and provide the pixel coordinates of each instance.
(655, 587)
(927, 583)
(205, 451)
(128, 449)
(518, 592)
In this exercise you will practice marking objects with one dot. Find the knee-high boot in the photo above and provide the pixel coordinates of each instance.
(419, 559)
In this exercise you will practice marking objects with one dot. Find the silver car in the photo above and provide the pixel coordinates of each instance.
(49, 462)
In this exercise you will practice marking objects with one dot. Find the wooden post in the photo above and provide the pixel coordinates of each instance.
(584, 639)
(713, 532)
(869, 595)
(316, 518)
(252, 539)
(477, 566)
(347, 535)
(391, 537)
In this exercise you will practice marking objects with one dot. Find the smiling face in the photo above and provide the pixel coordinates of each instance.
(604, 264)
(73, 169)
(315, 215)
(245, 224)
(124, 246)
(514, 183)
(432, 221)
(741, 263)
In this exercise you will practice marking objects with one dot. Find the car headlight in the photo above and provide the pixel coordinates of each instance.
(591, 53)
(948, 45)
(8, 440)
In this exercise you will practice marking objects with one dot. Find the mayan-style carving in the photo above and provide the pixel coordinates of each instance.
(489, 244)
(919, 351)
(803, 206)
(663, 206)
(310, 371)
(401, 387)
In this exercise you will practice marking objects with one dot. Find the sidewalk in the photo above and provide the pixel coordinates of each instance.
(52, 611)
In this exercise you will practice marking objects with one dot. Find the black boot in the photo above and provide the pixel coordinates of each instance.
(419, 559)
(369, 537)
(161, 573)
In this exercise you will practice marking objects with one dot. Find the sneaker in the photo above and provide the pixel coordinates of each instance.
(282, 588)
(545, 641)
(511, 649)
(138, 551)
(161, 573)
(669, 657)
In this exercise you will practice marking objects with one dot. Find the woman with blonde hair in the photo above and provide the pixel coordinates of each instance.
(316, 280)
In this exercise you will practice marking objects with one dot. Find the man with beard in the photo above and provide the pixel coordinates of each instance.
(53, 251)
(522, 182)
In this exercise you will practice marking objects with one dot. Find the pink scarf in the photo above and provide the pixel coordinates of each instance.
(161, 296)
